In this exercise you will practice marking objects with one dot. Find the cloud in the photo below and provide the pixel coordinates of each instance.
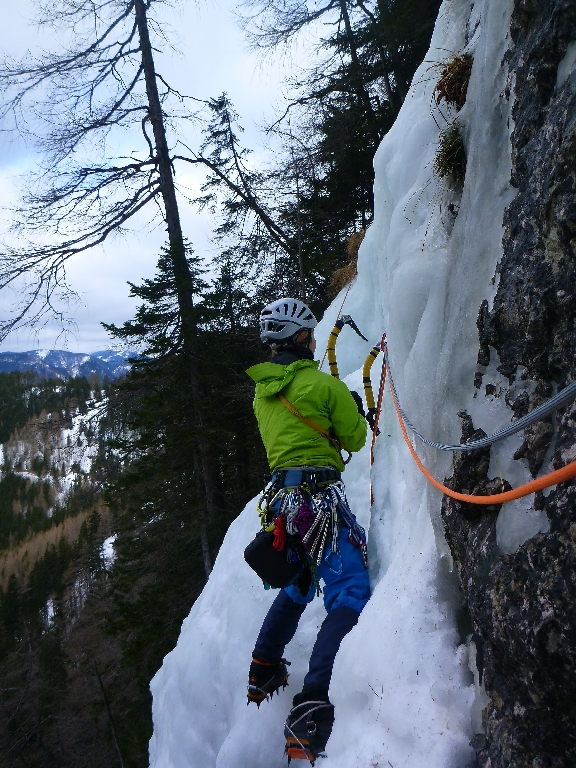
(213, 58)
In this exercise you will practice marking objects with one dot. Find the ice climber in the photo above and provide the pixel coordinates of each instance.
(306, 506)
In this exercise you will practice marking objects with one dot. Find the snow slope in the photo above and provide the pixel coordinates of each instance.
(403, 693)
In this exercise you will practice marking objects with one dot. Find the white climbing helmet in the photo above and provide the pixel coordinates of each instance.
(283, 318)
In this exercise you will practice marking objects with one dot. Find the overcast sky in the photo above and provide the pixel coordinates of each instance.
(213, 58)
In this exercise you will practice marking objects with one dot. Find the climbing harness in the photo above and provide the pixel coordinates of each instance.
(320, 514)
(315, 516)
(552, 478)
(321, 431)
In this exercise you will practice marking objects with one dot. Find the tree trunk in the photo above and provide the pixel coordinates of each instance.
(363, 94)
(384, 28)
(206, 550)
(177, 252)
(110, 718)
(168, 190)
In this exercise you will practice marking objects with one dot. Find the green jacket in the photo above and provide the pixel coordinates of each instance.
(318, 396)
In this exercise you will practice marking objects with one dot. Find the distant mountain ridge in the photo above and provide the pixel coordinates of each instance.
(59, 363)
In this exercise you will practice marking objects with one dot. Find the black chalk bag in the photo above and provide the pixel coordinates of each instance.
(272, 567)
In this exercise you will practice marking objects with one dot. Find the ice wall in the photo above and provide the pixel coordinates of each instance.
(403, 693)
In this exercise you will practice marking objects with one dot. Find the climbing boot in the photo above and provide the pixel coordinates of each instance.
(308, 726)
(265, 677)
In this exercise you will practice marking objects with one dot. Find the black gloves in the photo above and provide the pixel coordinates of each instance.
(370, 416)
(359, 403)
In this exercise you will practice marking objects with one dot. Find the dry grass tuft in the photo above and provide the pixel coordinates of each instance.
(453, 83)
(344, 275)
(450, 160)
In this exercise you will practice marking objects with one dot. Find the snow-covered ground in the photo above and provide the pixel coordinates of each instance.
(403, 693)
(71, 450)
(108, 551)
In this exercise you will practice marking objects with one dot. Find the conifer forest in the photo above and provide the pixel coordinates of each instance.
(174, 450)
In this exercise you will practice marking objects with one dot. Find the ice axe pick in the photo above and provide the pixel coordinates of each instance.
(347, 320)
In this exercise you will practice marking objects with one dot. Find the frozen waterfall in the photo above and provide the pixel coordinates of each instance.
(402, 689)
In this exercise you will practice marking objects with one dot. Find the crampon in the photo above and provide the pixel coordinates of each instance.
(297, 749)
(307, 730)
(265, 678)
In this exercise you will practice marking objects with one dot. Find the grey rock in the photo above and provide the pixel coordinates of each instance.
(523, 605)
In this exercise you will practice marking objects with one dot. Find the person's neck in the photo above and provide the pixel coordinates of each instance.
(300, 353)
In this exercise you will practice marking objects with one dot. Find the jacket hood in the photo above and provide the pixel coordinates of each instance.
(271, 378)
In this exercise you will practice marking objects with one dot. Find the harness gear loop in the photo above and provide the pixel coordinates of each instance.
(321, 431)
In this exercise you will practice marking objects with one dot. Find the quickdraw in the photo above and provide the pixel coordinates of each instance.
(373, 412)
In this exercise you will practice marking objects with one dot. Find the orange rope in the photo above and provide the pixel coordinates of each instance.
(559, 476)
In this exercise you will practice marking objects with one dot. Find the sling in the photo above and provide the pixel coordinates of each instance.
(321, 431)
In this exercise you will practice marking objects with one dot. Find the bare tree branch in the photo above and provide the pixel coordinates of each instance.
(269, 24)
(69, 104)
(276, 232)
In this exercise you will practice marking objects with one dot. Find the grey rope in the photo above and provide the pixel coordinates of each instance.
(562, 398)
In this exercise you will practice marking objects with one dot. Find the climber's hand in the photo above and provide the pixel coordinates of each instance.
(371, 419)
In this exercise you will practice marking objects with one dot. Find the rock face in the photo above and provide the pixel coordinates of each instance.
(523, 605)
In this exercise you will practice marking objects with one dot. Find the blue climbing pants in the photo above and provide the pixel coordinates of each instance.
(346, 591)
